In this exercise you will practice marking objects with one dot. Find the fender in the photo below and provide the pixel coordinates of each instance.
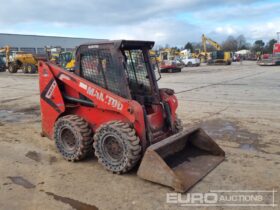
(52, 104)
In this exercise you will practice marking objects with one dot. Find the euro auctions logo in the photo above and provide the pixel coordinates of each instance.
(224, 198)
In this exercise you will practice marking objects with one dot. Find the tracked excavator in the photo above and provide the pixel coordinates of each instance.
(216, 57)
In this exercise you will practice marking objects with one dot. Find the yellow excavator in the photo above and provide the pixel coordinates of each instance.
(210, 41)
(201, 55)
(216, 57)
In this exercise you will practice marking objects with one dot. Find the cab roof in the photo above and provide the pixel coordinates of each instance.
(118, 44)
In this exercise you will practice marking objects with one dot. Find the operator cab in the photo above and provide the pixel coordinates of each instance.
(126, 69)
(122, 67)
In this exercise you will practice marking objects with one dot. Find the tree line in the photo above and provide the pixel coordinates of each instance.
(234, 44)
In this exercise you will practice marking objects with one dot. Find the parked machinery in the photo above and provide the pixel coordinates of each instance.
(112, 102)
(202, 56)
(220, 57)
(271, 59)
(67, 60)
(64, 59)
(170, 61)
(20, 60)
(53, 53)
(25, 61)
(216, 57)
(4, 58)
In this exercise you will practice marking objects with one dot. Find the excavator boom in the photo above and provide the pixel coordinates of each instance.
(211, 42)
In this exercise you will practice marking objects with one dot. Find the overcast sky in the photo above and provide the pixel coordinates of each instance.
(165, 21)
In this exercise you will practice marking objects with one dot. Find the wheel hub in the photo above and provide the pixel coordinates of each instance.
(68, 138)
(113, 148)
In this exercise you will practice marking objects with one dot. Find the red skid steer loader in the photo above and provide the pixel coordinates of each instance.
(112, 103)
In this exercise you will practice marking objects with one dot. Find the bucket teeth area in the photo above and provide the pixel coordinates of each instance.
(181, 160)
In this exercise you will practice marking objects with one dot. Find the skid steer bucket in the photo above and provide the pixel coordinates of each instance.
(181, 160)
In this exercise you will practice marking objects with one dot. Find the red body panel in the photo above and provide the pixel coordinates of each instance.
(116, 107)
(155, 117)
(107, 105)
(52, 104)
(276, 48)
(171, 100)
(266, 56)
(168, 66)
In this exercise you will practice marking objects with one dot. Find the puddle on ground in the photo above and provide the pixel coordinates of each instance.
(33, 110)
(33, 155)
(8, 116)
(248, 147)
(230, 131)
(73, 203)
(21, 181)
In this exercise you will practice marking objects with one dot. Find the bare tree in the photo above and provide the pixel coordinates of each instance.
(241, 42)
(230, 44)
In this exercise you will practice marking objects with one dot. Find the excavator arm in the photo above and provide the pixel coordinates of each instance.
(211, 42)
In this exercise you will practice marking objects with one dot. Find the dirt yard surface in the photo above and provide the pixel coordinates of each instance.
(238, 106)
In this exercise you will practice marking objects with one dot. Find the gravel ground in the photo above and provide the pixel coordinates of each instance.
(238, 106)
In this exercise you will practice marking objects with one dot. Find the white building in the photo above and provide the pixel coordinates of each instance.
(243, 52)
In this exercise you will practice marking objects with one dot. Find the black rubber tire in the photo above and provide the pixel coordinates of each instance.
(31, 68)
(12, 68)
(24, 68)
(35, 69)
(178, 125)
(82, 135)
(127, 141)
(189, 64)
